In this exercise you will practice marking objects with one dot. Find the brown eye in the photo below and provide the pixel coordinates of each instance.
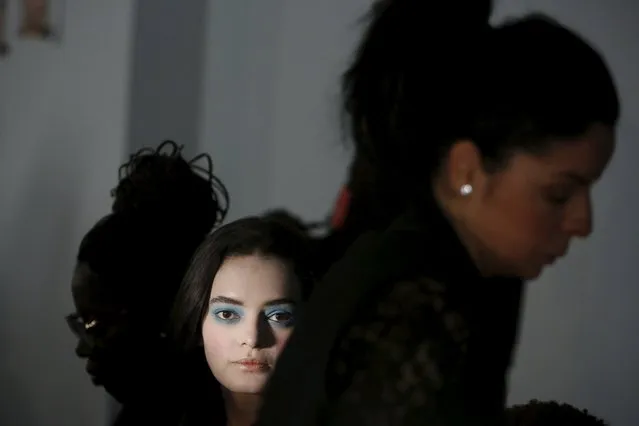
(282, 316)
(226, 315)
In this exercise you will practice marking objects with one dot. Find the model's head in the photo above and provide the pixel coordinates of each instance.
(550, 413)
(506, 128)
(131, 263)
(241, 296)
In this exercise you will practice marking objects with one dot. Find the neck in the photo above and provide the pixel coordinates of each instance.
(241, 408)
(474, 248)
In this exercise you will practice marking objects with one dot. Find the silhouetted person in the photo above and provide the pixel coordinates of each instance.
(129, 268)
(491, 145)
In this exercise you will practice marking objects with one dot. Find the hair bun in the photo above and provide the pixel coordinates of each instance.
(152, 179)
(159, 183)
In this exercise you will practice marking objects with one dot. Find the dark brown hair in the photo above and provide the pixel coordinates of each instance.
(550, 413)
(427, 74)
(268, 236)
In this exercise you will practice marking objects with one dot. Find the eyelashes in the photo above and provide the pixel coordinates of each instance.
(277, 316)
(227, 314)
(280, 316)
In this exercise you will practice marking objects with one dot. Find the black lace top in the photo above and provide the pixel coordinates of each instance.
(403, 331)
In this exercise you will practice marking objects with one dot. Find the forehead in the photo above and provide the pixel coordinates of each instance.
(90, 294)
(255, 280)
(584, 157)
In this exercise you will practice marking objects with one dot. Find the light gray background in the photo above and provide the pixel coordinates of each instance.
(254, 83)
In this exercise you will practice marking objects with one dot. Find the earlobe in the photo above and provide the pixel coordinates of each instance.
(466, 190)
(462, 167)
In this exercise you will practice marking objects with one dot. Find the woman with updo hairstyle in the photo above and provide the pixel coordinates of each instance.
(492, 138)
(129, 268)
(237, 306)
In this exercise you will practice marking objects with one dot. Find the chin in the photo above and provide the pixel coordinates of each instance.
(116, 385)
(118, 390)
(531, 273)
(250, 386)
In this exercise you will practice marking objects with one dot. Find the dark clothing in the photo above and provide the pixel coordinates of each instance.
(402, 331)
(184, 393)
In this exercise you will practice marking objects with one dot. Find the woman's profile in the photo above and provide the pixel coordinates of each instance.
(129, 267)
(237, 306)
(492, 146)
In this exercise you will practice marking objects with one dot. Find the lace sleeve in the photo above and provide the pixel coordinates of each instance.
(400, 363)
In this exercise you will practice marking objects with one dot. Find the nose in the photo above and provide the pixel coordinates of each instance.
(579, 220)
(249, 336)
(257, 334)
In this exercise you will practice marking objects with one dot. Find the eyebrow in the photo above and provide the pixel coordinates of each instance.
(231, 301)
(283, 301)
(223, 299)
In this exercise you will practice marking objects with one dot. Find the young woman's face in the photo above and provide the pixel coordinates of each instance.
(525, 216)
(251, 315)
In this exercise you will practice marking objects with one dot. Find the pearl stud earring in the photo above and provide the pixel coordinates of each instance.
(465, 190)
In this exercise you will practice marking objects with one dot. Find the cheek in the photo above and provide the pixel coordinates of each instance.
(534, 219)
(542, 219)
(281, 338)
(519, 224)
(217, 342)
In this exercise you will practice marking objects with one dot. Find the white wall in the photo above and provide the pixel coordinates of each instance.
(166, 76)
(270, 101)
(63, 120)
(270, 122)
